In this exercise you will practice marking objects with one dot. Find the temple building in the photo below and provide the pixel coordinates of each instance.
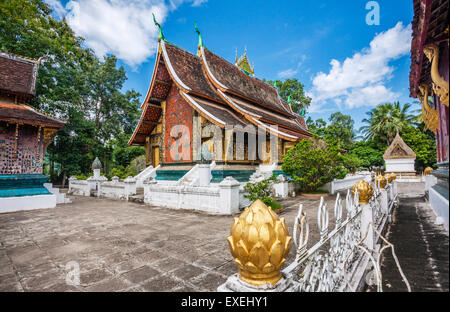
(204, 100)
(25, 134)
(399, 158)
(429, 81)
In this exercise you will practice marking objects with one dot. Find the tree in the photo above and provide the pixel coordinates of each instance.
(292, 90)
(423, 144)
(311, 165)
(369, 154)
(340, 131)
(385, 120)
(317, 127)
(72, 84)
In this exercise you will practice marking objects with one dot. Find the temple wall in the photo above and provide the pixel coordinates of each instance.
(442, 139)
(27, 159)
(178, 112)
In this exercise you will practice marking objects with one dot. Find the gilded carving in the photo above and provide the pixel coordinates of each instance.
(430, 116)
(259, 244)
(365, 191)
(440, 86)
(381, 181)
(49, 133)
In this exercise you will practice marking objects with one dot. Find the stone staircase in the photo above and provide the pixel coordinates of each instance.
(138, 197)
(60, 197)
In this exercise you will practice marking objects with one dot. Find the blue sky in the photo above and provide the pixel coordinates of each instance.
(345, 64)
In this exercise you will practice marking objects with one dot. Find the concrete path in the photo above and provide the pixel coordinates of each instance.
(421, 247)
(122, 246)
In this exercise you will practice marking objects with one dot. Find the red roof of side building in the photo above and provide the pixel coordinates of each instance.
(20, 113)
(18, 74)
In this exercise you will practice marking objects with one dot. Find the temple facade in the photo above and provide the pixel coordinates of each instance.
(429, 81)
(203, 102)
(24, 136)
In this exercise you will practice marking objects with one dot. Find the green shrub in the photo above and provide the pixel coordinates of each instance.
(81, 176)
(312, 164)
(261, 190)
(351, 162)
(137, 165)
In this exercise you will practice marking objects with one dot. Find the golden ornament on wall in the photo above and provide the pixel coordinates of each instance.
(259, 244)
(430, 115)
(440, 85)
(365, 191)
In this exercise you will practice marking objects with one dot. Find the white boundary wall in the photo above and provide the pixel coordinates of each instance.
(346, 183)
(20, 203)
(222, 198)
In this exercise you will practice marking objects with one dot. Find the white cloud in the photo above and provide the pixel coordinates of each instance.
(291, 72)
(57, 7)
(360, 80)
(287, 73)
(121, 27)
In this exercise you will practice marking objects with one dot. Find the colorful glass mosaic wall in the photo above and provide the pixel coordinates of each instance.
(21, 151)
(178, 112)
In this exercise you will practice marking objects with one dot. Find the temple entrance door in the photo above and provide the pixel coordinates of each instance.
(268, 160)
(155, 157)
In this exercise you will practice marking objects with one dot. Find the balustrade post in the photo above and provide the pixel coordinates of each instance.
(259, 243)
(365, 194)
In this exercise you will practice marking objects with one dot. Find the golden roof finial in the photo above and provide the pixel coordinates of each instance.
(259, 244)
(244, 64)
(365, 191)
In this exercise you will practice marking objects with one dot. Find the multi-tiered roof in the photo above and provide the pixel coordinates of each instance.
(17, 88)
(219, 91)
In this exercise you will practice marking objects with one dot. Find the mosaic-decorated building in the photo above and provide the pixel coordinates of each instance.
(429, 81)
(24, 131)
(204, 95)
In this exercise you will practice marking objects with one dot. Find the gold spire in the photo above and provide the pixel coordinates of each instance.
(244, 64)
(259, 244)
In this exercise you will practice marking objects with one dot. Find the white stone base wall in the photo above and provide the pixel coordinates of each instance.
(400, 165)
(79, 187)
(222, 198)
(440, 206)
(19, 203)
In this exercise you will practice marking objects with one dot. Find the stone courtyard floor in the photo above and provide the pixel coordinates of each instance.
(123, 246)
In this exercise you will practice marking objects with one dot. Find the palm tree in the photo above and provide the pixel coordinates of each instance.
(385, 120)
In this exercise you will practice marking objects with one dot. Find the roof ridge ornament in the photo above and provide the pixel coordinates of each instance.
(244, 64)
(160, 35)
(200, 41)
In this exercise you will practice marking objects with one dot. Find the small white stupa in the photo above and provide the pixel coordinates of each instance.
(399, 158)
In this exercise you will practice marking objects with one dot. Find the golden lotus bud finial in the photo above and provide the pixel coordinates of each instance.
(381, 181)
(365, 191)
(391, 177)
(427, 170)
(259, 244)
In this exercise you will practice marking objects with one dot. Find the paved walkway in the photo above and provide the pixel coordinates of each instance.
(421, 247)
(122, 246)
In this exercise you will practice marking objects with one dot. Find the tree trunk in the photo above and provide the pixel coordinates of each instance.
(64, 179)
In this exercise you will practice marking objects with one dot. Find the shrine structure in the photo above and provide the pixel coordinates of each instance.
(204, 100)
(25, 134)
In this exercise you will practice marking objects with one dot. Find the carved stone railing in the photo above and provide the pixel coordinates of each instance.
(333, 263)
